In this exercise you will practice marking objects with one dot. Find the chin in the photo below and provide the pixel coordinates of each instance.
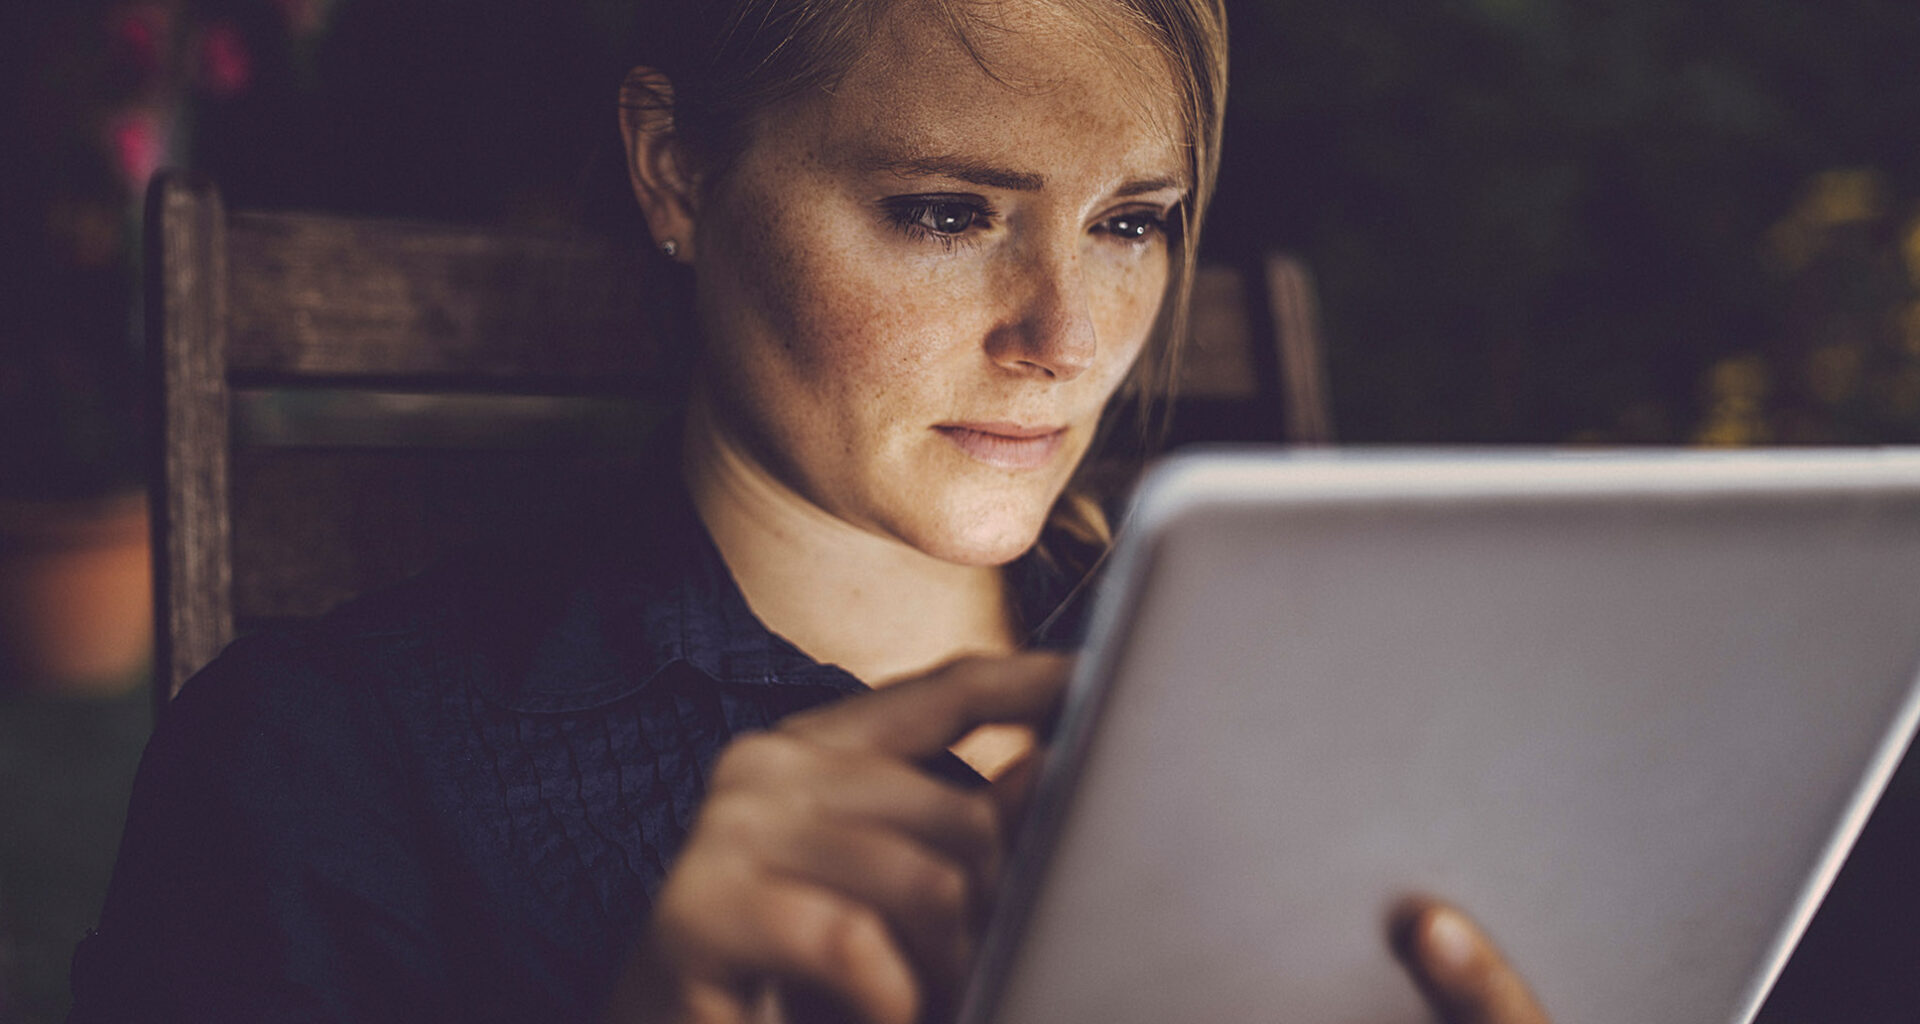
(981, 536)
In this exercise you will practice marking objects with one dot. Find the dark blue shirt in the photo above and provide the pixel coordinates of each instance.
(454, 799)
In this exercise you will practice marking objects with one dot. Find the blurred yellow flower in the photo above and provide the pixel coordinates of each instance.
(1831, 199)
(1846, 197)
(1737, 389)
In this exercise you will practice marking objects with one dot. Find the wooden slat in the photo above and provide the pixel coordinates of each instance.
(344, 418)
(1218, 362)
(340, 296)
(187, 311)
(1303, 369)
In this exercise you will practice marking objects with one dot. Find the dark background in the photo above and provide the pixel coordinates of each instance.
(1532, 220)
(1589, 221)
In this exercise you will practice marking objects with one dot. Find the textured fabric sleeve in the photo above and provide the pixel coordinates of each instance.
(273, 866)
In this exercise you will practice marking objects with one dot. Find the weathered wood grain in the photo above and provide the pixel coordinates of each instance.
(187, 318)
(318, 295)
(1220, 361)
(1295, 308)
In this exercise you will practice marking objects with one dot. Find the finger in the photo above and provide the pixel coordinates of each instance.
(772, 779)
(816, 939)
(1458, 968)
(922, 716)
(930, 902)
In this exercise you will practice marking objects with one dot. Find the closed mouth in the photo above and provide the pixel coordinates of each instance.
(1006, 445)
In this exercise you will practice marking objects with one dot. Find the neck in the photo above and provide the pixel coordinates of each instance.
(866, 602)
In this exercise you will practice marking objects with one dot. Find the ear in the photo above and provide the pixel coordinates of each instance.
(657, 163)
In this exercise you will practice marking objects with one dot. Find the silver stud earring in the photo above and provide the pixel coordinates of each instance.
(670, 247)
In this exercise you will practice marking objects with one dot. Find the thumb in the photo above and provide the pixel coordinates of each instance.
(1458, 968)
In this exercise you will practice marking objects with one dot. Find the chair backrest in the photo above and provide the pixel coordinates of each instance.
(340, 399)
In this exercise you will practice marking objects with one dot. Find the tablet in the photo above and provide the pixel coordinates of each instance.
(1629, 710)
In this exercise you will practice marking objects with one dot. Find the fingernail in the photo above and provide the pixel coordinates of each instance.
(1450, 939)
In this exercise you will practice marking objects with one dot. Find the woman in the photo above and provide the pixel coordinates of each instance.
(635, 770)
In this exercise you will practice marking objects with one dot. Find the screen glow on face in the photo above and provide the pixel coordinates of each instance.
(919, 290)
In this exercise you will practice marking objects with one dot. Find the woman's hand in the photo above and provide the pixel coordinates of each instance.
(1458, 968)
(824, 860)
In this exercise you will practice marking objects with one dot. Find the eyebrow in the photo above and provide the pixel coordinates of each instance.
(962, 169)
(977, 173)
(1142, 186)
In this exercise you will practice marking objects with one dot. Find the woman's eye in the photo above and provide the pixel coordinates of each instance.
(952, 221)
(1133, 227)
(939, 218)
(948, 218)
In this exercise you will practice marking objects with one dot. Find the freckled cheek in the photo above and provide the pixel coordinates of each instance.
(870, 324)
(846, 337)
(1126, 302)
(794, 306)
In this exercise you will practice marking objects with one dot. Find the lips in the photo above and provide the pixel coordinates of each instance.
(1005, 445)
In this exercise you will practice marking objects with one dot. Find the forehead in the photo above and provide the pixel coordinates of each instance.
(1024, 81)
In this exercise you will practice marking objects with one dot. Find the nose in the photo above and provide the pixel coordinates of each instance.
(1048, 329)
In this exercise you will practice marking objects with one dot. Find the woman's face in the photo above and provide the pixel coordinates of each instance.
(919, 292)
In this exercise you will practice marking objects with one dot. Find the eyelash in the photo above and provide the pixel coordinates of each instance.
(910, 215)
(1147, 224)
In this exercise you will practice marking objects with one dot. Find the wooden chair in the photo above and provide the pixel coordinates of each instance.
(340, 399)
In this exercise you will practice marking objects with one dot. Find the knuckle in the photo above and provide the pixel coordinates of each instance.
(729, 815)
(701, 892)
(742, 820)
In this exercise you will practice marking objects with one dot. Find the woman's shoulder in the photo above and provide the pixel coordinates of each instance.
(441, 772)
(310, 799)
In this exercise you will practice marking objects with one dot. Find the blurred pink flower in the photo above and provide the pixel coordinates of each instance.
(226, 66)
(138, 140)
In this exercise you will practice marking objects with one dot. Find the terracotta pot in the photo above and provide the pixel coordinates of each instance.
(76, 594)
